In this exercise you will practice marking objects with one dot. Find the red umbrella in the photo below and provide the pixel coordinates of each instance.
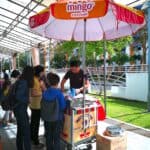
(104, 20)
(93, 20)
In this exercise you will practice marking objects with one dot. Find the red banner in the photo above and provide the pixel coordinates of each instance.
(129, 15)
(39, 18)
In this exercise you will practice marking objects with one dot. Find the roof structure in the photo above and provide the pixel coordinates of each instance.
(15, 35)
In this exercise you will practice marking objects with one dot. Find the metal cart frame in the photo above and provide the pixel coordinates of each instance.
(87, 141)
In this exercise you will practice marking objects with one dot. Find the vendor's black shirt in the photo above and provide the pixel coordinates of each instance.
(76, 79)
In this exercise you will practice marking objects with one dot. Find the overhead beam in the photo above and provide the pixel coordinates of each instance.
(11, 1)
(12, 25)
(35, 36)
(12, 12)
(22, 33)
(15, 42)
(41, 3)
(12, 19)
(25, 40)
(12, 48)
(5, 51)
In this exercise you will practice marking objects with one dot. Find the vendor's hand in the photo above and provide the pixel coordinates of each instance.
(78, 91)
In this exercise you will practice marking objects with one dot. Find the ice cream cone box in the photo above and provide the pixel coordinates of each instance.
(75, 129)
(104, 142)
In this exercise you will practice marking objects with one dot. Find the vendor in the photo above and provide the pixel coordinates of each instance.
(76, 77)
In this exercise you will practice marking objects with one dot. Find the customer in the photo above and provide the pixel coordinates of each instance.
(35, 100)
(4, 91)
(14, 77)
(53, 123)
(23, 140)
(8, 116)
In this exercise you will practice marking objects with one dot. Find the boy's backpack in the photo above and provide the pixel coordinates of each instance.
(9, 102)
(50, 110)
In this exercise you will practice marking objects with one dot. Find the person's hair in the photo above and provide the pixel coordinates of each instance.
(53, 79)
(74, 63)
(15, 73)
(6, 77)
(38, 69)
(28, 75)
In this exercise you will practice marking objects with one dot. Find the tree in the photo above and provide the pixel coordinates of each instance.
(22, 60)
(97, 47)
(59, 61)
(120, 58)
(141, 37)
(6, 65)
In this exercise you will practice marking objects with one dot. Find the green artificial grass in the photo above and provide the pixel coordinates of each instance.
(133, 112)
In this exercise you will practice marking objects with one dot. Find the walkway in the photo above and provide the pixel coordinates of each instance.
(135, 141)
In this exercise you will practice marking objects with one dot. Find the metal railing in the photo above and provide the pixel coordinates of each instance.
(115, 75)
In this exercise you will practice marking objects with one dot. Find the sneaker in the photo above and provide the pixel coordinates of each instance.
(38, 146)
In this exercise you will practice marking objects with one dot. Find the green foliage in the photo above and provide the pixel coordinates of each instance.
(141, 37)
(67, 47)
(120, 58)
(93, 47)
(6, 65)
(59, 61)
(22, 60)
(134, 58)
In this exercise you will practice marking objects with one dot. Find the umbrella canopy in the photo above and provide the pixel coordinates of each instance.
(93, 20)
(104, 20)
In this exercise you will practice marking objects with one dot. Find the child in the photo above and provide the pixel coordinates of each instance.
(52, 123)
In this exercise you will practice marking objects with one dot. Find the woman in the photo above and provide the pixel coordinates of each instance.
(35, 106)
(25, 82)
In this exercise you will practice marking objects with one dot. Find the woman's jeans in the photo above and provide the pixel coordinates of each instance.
(23, 140)
(34, 125)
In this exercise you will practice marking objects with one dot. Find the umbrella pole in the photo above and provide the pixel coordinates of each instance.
(105, 76)
(84, 69)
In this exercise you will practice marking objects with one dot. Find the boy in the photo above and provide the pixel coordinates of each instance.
(53, 98)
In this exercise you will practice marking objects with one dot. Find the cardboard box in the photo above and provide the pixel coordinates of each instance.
(111, 143)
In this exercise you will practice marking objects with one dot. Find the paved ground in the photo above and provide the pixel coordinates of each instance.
(135, 141)
(137, 138)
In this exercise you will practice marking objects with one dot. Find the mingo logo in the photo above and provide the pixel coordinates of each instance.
(80, 9)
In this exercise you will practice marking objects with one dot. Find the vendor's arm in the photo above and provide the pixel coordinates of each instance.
(62, 84)
(65, 78)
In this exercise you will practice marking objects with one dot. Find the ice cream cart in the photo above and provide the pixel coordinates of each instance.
(80, 125)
